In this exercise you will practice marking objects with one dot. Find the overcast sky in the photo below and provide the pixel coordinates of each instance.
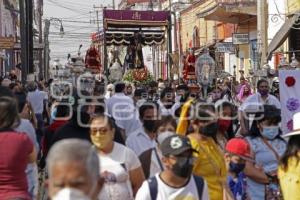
(76, 16)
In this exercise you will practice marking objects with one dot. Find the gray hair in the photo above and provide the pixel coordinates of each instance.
(75, 150)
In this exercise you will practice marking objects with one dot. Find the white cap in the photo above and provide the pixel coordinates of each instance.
(296, 125)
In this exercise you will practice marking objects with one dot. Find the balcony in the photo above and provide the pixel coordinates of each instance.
(229, 11)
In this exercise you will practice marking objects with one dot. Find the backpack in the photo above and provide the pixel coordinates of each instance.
(152, 182)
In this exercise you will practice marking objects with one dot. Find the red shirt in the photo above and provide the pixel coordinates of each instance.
(15, 149)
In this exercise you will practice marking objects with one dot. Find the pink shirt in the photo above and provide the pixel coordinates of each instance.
(15, 149)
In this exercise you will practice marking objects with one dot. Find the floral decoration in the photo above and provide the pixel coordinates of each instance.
(289, 125)
(131, 76)
(292, 104)
(290, 81)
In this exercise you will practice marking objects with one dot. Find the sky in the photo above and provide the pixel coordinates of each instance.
(78, 20)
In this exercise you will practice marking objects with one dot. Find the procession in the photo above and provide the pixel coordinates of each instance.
(167, 100)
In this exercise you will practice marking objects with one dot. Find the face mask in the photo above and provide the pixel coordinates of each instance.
(101, 140)
(169, 105)
(264, 92)
(183, 167)
(236, 168)
(209, 130)
(70, 194)
(224, 124)
(270, 132)
(246, 92)
(149, 125)
(162, 136)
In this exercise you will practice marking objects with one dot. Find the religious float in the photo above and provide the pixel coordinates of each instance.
(129, 31)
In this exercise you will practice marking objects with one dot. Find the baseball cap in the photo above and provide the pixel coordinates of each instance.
(175, 145)
(239, 147)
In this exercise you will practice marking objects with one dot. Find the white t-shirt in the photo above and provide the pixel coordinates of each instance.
(166, 192)
(139, 141)
(115, 168)
(164, 111)
(256, 98)
(122, 109)
(118, 102)
(156, 163)
(129, 121)
(36, 100)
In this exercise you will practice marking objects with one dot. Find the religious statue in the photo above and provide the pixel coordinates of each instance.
(115, 71)
(139, 59)
(205, 69)
(129, 58)
(189, 68)
(92, 59)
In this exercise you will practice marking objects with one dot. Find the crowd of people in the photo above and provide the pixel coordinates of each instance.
(163, 140)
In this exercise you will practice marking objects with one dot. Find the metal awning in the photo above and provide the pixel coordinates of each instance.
(226, 14)
(282, 35)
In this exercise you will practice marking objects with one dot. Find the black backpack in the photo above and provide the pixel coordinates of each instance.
(152, 182)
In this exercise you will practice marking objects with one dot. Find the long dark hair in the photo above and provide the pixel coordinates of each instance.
(293, 149)
(9, 116)
(204, 115)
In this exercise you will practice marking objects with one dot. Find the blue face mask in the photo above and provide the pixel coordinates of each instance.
(236, 167)
(270, 132)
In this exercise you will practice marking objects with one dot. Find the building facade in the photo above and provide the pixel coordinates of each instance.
(8, 35)
(293, 6)
(212, 23)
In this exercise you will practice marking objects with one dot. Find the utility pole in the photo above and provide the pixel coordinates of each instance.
(23, 33)
(97, 20)
(114, 4)
(29, 29)
(262, 32)
(169, 49)
(46, 48)
(40, 14)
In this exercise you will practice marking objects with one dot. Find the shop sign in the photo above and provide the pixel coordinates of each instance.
(240, 38)
(225, 47)
(7, 42)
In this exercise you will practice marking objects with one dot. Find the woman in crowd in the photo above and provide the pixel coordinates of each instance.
(151, 159)
(266, 147)
(120, 167)
(16, 150)
(225, 123)
(289, 170)
(209, 163)
(61, 117)
(244, 93)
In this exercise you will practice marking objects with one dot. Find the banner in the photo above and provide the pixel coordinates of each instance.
(289, 81)
(137, 17)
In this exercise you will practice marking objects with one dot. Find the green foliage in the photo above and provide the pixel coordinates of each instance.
(128, 77)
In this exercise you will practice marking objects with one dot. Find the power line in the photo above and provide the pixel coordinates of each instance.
(66, 7)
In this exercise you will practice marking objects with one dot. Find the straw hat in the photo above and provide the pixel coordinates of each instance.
(296, 126)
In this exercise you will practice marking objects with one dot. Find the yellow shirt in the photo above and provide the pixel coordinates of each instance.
(290, 180)
(210, 165)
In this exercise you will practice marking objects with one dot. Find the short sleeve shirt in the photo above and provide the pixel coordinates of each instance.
(15, 149)
(115, 168)
(189, 191)
(290, 179)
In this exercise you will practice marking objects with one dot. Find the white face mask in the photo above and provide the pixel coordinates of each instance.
(70, 194)
(162, 136)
